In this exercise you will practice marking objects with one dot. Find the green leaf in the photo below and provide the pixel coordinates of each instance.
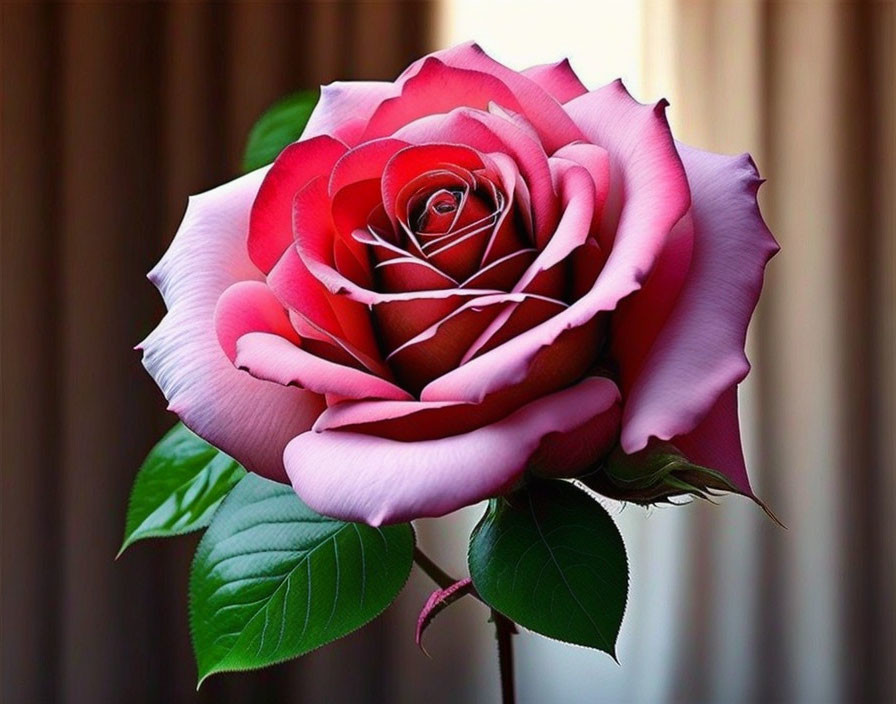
(272, 580)
(281, 125)
(550, 558)
(179, 487)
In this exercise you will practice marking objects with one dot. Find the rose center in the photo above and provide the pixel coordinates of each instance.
(439, 211)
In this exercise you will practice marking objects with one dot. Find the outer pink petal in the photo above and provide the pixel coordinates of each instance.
(715, 442)
(249, 419)
(646, 167)
(578, 451)
(345, 107)
(597, 161)
(639, 319)
(363, 478)
(699, 352)
(557, 79)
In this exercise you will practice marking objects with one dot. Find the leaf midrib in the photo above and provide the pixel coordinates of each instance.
(179, 487)
(305, 558)
(563, 575)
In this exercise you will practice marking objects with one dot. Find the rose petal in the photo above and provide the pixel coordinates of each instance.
(587, 262)
(385, 418)
(574, 229)
(459, 257)
(351, 262)
(557, 79)
(555, 368)
(271, 220)
(572, 232)
(437, 88)
(345, 107)
(515, 319)
(514, 229)
(579, 450)
(715, 441)
(414, 161)
(339, 320)
(249, 419)
(699, 353)
(250, 306)
(647, 168)
(273, 358)
(410, 274)
(358, 477)
(440, 347)
(502, 273)
(596, 161)
(366, 161)
(485, 133)
(544, 112)
(314, 233)
(639, 318)
(297, 289)
(400, 319)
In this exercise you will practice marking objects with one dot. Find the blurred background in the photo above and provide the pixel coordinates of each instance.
(112, 114)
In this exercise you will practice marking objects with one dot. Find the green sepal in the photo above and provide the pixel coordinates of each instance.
(659, 474)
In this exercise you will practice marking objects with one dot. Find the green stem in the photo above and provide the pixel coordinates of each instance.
(433, 571)
(504, 630)
(504, 627)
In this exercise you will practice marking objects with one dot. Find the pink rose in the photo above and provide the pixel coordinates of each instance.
(460, 276)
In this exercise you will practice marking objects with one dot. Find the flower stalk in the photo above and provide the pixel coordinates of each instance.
(504, 630)
(504, 627)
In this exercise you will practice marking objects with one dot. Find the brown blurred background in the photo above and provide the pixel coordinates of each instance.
(112, 114)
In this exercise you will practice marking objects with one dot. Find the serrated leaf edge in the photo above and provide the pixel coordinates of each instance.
(219, 670)
(493, 507)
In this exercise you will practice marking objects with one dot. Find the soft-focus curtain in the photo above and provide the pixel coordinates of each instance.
(806, 614)
(112, 114)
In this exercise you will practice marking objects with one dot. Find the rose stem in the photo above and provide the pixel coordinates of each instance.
(504, 630)
(433, 571)
(504, 627)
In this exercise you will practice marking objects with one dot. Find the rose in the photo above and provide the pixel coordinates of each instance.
(458, 277)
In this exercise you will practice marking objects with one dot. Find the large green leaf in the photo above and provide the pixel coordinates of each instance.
(179, 487)
(550, 558)
(272, 579)
(281, 125)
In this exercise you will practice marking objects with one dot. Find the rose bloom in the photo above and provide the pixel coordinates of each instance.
(458, 278)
